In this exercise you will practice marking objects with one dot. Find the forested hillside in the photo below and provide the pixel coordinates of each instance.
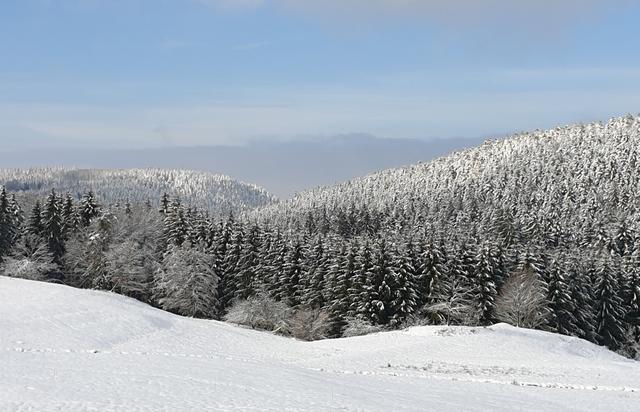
(555, 184)
(540, 230)
(216, 193)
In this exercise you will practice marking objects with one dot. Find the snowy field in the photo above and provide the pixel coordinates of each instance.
(75, 350)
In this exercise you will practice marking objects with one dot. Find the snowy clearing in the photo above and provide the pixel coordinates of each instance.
(68, 349)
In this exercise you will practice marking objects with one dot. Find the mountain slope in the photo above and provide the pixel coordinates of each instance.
(69, 349)
(574, 178)
(217, 193)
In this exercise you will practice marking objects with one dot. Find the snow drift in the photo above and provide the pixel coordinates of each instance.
(69, 349)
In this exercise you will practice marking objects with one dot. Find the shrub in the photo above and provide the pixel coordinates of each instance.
(357, 327)
(260, 312)
(310, 324)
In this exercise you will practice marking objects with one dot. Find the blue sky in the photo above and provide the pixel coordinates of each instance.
(136, 73)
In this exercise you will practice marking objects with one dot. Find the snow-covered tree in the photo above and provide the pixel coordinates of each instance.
(484, 281)
(187, 282)
(521, 301)
(30, 259)
(52, 226)
(608, 306)
(89, 208)
(561, 307)
(9, 227)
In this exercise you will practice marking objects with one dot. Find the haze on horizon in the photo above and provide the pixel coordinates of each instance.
(78, 75)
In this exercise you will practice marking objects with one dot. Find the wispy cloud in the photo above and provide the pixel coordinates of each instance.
(327, 112)
(574, 72)
(173, 45)
(251, 46)
(234, 5)
(540, 15)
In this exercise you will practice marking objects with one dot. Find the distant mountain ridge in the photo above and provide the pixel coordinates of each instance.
(216, 193)
(281, 167)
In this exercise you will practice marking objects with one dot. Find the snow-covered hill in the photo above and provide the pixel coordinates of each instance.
(69, 349)
(555, 184)
(216, 193)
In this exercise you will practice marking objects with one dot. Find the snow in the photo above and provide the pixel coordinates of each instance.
(67, 349)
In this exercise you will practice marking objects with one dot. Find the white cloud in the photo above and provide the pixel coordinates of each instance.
(234, 5)
(322, 112)
(540, 15)
(251, 46)
(173, 45)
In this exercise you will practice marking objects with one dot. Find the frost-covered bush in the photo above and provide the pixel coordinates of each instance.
(357, 327)
(417, 319)
(187, 283)
(451, 302)
(522, 301)
(260, 312)
(310, 324)
(131, 266)
(30, 260)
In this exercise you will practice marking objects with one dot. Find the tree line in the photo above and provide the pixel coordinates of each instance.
(360, 277)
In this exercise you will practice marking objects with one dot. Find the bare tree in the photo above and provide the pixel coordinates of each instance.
(452, 303)
(310, 324)
(357, 326)
(521, 301)
(260, 312)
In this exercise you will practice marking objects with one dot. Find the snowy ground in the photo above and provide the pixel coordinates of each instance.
(69, 350)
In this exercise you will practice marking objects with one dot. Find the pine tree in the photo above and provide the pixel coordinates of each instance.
(17, 215)
(608, 306)
(219, 241)
(231, 264)
(176, 224)
(485, 285)
(632, 294)
(582, 298)
(463, 263)
(89, 209)
(52, 226)
(561, 307)
(274, 264)
(70, 218)
(340, 271)
(358, 292)
(289, 282)
(430, 271)
(246, 272)
(622, 242)
(8, 225)
(533, 262)
(405, 297)
(380, 286)
(35, 226)
(164, 203)
(97, 274)
(315, 271)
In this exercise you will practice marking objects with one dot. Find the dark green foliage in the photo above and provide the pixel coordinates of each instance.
(484, 281)
(10, 220)
(52, 226)
(608, 306)
(562, 309)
